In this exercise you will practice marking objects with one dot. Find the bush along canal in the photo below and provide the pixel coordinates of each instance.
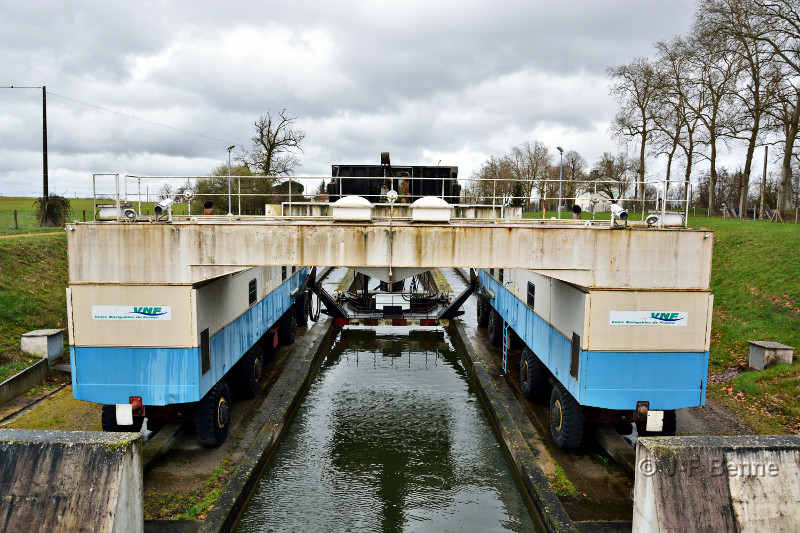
(390, 437)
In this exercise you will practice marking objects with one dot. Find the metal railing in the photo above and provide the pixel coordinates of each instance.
(474, 197)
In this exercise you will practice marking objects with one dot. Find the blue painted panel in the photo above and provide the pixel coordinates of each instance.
(163, 376)
(611, 380)
(617, 380)
(160, 376)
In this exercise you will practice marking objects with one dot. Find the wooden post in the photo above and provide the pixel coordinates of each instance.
(16, 226)
(84, 215)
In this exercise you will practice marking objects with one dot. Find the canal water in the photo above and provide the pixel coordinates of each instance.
(391, 437)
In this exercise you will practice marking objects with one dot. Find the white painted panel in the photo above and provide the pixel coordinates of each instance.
(643, 332)
(91, 301)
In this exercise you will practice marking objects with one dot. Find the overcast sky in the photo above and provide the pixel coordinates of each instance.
(454, 81)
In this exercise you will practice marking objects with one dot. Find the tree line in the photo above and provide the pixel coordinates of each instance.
(528, 176)
(734, 80)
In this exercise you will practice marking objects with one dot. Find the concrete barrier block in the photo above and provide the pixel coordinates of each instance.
(70, 481)
(747, 483)
(23, 381)
(766, 353)
(46, 343)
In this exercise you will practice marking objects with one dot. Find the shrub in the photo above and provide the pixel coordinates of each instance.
(57, 210)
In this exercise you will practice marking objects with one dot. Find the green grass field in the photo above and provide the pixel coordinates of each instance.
(82, 209)
(755, 281)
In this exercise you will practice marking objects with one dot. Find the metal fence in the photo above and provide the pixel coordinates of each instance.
(241, 197)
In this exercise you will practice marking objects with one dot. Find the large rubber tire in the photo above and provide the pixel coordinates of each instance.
(300, 309)
(566, 418)
(533, 377)
(248, 372)
(108, 421)
(287, 327)
(668, 429)
(482, 311)
(495, 328)
(213, 418)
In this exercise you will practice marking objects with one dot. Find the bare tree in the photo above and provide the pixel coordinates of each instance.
(274, 144)
(668, 113)
(613, 171)
(494, 181)
(736, 21)
(574, 165)
(634, 88)
(682, 96)
(784, 120)
(781, 33)
(716, 68)
(531, 162)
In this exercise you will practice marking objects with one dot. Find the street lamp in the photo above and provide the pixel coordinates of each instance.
(231, 147)
(560, 177)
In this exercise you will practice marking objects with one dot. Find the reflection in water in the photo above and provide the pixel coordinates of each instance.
(390, 438)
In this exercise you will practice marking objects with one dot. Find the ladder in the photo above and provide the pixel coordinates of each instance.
(511, 308)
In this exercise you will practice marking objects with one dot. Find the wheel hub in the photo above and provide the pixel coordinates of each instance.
(558, 415)
(257, 368)
(223, 413)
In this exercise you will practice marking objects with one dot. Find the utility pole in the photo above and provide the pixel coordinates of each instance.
(45, 188)
(45, 185)
(763, 184)
(560, 177)
(231, 147)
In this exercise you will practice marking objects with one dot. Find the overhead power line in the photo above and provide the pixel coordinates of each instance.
(141, 119)
(132, 117)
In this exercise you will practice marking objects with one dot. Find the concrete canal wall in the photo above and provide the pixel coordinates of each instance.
(23, 382)
(506, 415)
(70, 481)
(749, 483)
(273, 419)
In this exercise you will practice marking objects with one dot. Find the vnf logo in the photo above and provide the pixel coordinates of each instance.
(665, 317)
(148, 311)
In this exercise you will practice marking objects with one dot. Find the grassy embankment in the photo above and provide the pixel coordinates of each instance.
(756, 284)
(33, 276)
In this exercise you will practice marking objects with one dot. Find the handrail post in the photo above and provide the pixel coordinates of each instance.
(116, 180)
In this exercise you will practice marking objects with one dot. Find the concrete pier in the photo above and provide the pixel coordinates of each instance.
(70, 481)
(738, 484)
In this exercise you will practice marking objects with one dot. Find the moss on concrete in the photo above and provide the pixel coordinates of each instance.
(60, 412)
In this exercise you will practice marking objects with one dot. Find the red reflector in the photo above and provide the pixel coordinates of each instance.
(341, 321)
(136, 405)
(399, 322)
(428, 322)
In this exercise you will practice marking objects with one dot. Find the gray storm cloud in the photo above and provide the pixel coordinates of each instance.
(434, 80)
